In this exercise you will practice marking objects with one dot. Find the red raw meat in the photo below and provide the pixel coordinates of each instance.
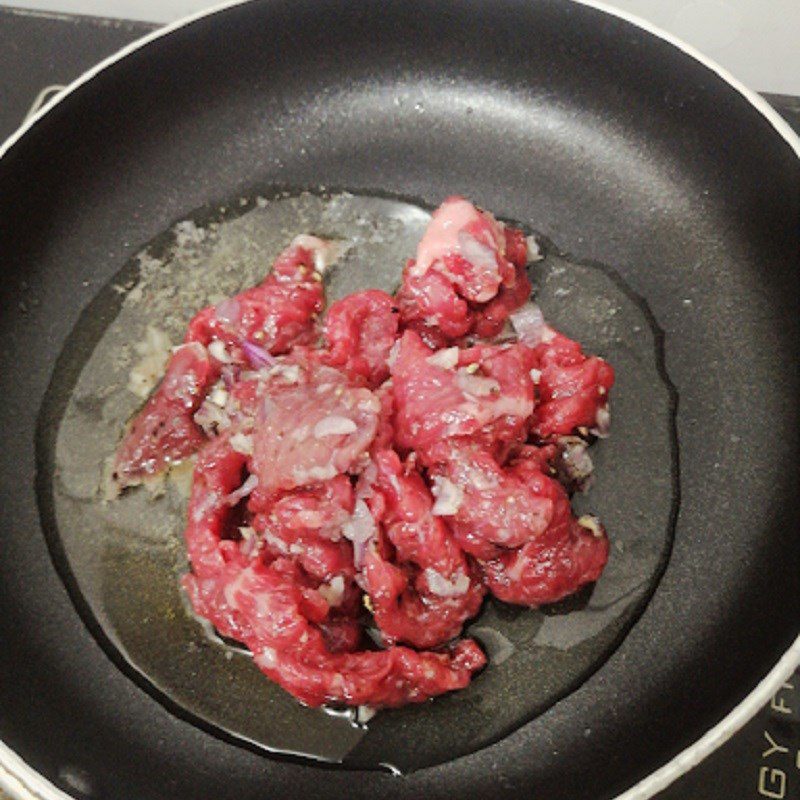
(386, 678)
(490, 319)
(494, 508)
(430, 305)
(360, 330)
(323, 507)
(276, 610)
(467, 246)
(557, 561)
(483, 392)
(265, 607)
(422, 595)
(572, 387)
(469, 274)
(163, 432)
(516, 245)
(275, 315)
(391, 466)
(211, 533)
(306, 524)
(313, 431)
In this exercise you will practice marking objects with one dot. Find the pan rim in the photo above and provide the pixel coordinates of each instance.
(24, 783)
(759, 103)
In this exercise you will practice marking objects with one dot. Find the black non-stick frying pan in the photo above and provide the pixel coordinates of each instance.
(651, 179)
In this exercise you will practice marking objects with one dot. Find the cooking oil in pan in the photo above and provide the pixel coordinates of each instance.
(122, 560)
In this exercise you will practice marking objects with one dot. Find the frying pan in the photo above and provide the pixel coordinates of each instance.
(624, 149)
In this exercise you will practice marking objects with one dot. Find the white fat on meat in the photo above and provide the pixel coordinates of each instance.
(473, 385)
(447, 235)
(334, 426)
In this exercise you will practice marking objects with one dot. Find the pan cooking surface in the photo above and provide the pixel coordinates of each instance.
(616, 146)
(124, 558)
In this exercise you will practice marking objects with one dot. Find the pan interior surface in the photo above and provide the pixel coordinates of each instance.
(610, 142)
(123, 558)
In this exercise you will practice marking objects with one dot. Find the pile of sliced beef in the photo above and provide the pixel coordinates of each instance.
(366, 475)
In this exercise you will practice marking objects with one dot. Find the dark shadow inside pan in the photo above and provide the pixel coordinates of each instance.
(123, 559)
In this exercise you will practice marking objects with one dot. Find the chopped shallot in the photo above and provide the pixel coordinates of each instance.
(574, 463)
(256, 355)
(360, 529)
(449, 497)
(146, 373)
(364, 714)
(476, 385)
(218, 350)
(591, 523)
(333, 592)
(334, 426)
(443, 587)
(325, 251)
(242, 443)
(243, 491)
(446, 359)
(529, 324)
(602, 424)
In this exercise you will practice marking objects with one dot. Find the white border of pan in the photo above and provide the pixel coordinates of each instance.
(24, 783)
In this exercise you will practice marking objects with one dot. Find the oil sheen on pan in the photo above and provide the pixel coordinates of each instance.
(123, 561)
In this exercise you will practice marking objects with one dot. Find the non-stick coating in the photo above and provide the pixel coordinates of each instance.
(619, 147)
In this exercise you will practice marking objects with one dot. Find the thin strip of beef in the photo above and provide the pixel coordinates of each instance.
(558, 561)
(360, 330)
(270, 318)
(164, 431)
(484, 392)
(488, 508)
(572, 388)
(424, 594)
(273, 608)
